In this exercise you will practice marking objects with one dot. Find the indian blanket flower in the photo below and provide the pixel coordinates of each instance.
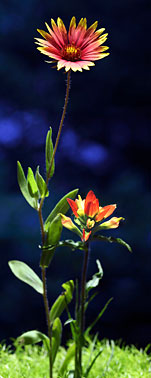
(89, 216)
(76, 49)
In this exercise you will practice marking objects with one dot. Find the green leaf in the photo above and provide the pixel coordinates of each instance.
(33, 337)
(24, 186)
(90, 299)
(49, 154)
(56, 337)
(52, 239)
(32, 185)
(62, 301)
(42, 187)
(61, 207)
(46, 256)
(92, 363)
(97, 318)
(95, 279)
(54, 231)
(110, 239)
(26, 274)
(68, 357)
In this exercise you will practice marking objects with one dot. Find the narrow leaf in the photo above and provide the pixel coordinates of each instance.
(68, 357)
(63, 299)
(32, 185)
(62, 206)
(26, 274)
(111, 239)
(49, 153)
(98, 317)
(24, 186)
(90, 299)
(92, 363)
(41, 184)
(56, 337)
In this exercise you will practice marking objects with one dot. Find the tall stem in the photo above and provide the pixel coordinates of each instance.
(45, 298)
(83, 298)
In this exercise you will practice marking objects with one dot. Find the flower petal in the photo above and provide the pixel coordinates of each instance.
(67, 223)
(73, 206)
(85, 235)
(110, 209)
(105, 212)
(91, 206)
(62, 30)
(51, 55)
(90, 196)
(112, 223)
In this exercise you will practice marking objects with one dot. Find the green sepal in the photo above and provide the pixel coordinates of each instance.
(111, 239)
(24, 273)
(24, 186)
(61, 207)
(95, 278)
(56, 337)
(34, 337)
(61, 302)
(52, 240)
(42, 187)
(49, 154)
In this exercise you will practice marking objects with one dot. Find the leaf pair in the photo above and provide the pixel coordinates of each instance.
(35, 187)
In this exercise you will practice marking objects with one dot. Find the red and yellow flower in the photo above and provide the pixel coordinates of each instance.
(89, 215)
(76, 49)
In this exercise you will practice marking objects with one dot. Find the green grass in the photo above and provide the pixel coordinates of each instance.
(113, 362)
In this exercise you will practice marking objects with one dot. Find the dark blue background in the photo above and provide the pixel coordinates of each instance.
(104, 147)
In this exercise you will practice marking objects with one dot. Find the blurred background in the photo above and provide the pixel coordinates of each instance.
(104, 147)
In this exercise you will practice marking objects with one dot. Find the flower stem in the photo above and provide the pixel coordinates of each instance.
(45, 298)
(83, 298)
(46, 305)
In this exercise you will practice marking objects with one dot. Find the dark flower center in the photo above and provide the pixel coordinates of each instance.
(71, 52)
